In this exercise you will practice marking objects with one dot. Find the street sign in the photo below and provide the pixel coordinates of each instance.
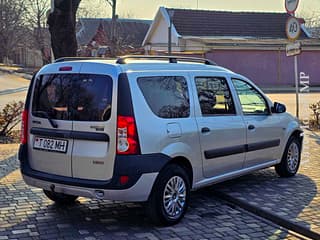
(293, 49)
(293, 29)
(291, 5)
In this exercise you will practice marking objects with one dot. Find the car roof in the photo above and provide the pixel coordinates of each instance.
(151, 63)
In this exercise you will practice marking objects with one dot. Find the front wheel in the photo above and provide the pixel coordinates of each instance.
(290, 161)
(169, 198)
(60, 198)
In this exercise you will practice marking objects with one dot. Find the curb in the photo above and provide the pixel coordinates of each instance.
(7, 71)
(281, 221)
(20, 74)
(8, 165)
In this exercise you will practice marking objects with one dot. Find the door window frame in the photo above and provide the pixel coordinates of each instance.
(257, 91)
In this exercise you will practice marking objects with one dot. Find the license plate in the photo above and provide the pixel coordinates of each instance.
(50, 144)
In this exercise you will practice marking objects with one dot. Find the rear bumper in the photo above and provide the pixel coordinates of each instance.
(141, 170)
(139, 192)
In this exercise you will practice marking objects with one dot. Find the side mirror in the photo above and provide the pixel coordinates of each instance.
(278, 108)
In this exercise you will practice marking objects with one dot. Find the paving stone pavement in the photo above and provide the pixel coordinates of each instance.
(25, 213)
(297, 199)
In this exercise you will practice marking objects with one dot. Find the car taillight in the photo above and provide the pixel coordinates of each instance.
(24, 127)
(127, 136)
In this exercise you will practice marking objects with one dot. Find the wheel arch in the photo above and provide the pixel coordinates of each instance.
(185, 164)
(292, 131)
(297, 134)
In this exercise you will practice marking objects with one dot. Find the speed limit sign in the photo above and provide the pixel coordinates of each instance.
(293, 29)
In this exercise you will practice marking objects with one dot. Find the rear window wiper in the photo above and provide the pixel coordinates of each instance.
(47, 116)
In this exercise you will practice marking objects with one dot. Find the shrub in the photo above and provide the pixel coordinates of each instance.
(315, 117)
(10, 116)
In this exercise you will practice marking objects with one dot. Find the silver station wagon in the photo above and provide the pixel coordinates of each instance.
(149, 129)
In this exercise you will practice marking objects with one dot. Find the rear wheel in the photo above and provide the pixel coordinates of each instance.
(169, 198)
(290, 161)
(60, 198)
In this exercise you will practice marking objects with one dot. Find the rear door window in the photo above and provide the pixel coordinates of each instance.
(167, 96)
(79, 97)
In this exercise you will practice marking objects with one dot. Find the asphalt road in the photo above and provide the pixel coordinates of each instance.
(9, 84)
(289, 99)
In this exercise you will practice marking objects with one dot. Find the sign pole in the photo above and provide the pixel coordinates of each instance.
(293, 32)
(297, 84)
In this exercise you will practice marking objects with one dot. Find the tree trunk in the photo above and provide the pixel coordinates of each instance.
(62, 27)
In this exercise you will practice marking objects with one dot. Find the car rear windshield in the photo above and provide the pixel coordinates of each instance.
(79, 97)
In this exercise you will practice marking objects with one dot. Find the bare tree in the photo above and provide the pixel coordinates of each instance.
(312, 22)
(62, 27)
(37, 16)
(313, 25)
(12, 26)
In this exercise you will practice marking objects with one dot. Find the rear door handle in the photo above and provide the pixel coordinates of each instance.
(251, 127)
(205, 130)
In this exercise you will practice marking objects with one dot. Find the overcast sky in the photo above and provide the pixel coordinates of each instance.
(147, 8)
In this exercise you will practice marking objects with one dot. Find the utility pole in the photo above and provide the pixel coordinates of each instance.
(113, 32)
(171, 12)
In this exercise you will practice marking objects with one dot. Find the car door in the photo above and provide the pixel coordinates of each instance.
(94, 126)
(221, 130)
(264, 129)
(50, 149)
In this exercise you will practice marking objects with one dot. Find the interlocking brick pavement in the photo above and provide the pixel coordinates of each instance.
(25, 213)
(297, 199)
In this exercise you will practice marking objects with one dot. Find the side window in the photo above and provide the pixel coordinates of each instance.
(214, 96)
(252, 102)
(167, 96)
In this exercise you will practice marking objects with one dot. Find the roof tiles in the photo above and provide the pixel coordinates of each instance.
(231, 24)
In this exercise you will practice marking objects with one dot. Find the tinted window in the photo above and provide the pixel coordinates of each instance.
(252, 102)
(166, 96)
(73, 97)
(214, 96)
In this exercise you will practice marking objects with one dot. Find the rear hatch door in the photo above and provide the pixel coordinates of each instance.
(94, 125)
(50, 141)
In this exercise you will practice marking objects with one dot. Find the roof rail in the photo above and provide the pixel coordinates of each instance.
(171, 59)
(68, 59)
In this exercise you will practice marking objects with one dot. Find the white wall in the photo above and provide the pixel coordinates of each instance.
(160, 34)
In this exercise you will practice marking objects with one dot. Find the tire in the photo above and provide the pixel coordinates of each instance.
(60, 198)
(290, 161)
(170, 210)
